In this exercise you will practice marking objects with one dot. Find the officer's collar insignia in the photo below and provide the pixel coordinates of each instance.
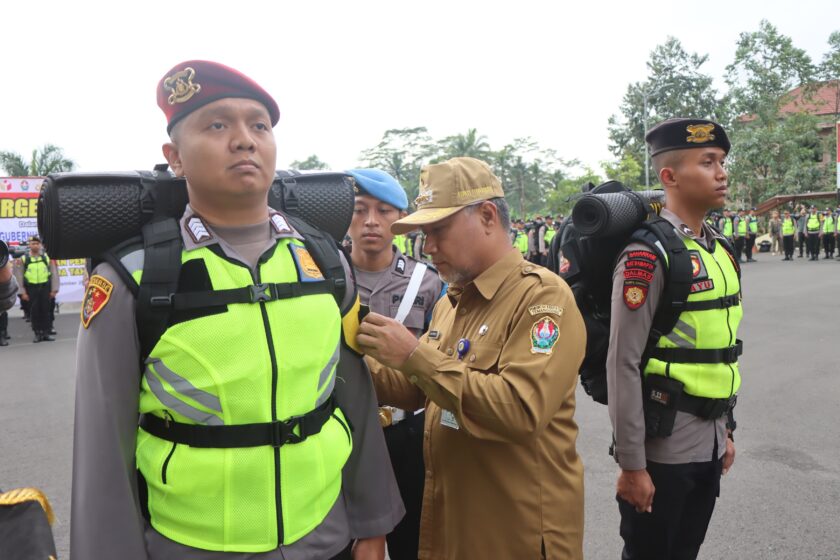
(198, 230)
(544, 335)
(280, 224)
(700, 133)
(181, 85)
(687, 230)
(308, 270)
(96, 297)
(400, 265)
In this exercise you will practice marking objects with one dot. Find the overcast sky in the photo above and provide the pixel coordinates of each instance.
(82, 74)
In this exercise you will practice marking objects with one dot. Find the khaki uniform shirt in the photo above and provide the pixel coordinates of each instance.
(106, 519)
(693, 439)
(503, 478)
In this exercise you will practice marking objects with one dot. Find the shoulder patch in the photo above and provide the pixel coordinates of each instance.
(543, 309)
(544, 335)
(96, 297)
(635, 294)
(698, 269)
(646, 255)
(307, 268)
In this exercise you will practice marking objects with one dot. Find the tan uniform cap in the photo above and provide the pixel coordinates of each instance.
(448, 187)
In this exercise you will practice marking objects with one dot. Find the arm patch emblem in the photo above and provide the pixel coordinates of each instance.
(96, 297)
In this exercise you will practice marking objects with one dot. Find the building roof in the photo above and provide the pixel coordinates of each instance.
(818, 100)
(822, 101)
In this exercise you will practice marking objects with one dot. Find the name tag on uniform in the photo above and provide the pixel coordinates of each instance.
(448, 419)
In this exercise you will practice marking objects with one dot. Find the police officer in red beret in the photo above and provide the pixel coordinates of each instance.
(249, 429)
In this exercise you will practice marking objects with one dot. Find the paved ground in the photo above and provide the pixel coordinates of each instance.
(780, 501)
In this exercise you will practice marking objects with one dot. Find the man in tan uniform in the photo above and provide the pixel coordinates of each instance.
(401, 287)
(497, 372)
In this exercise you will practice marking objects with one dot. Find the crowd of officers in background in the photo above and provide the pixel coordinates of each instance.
(810, 230)
(532, 237)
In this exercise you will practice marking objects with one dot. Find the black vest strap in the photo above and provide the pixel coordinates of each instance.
(162, 265)
(251, 294)
(719, 303)
(275, 434)
(698, 356)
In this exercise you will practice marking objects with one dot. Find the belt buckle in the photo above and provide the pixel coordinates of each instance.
(280, 432)
(260, 293)
(386, 416)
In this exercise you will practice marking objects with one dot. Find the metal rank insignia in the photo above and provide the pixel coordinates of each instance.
(181, 85)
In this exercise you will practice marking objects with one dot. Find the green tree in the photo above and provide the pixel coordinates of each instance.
(48, 159)
(402, 153)
(780, 157)
(773, 152)
(829, 70)
(675, 87)
(464, 145)
(566, 192)
(311, 163)
(627, 170)
(767, 66)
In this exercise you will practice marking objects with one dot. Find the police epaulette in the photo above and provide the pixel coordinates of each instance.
(21, 495)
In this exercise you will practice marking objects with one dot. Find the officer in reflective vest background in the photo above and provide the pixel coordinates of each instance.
(39, 278)
(673, 438)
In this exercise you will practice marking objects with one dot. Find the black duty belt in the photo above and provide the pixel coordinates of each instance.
(699, 356)
(275, 434)
(709, 409)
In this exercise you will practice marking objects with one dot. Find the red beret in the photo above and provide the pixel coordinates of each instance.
(192, 84)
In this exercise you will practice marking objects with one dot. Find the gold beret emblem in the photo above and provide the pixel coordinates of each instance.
(181, 85)
(700, 133)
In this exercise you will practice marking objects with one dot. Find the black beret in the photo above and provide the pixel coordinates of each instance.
(683, 134)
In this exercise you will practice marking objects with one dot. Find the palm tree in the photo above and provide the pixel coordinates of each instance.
(469, 145)
(49, 159)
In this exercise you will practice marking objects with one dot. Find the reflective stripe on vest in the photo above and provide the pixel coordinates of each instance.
(813, 223)
(37, 269)
(788, 227)
(828, 225)
(253, 363)
(707, 329)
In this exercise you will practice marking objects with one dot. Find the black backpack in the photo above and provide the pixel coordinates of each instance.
(586, 262)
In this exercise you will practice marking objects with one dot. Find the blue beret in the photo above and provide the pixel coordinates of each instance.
(380, 185)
